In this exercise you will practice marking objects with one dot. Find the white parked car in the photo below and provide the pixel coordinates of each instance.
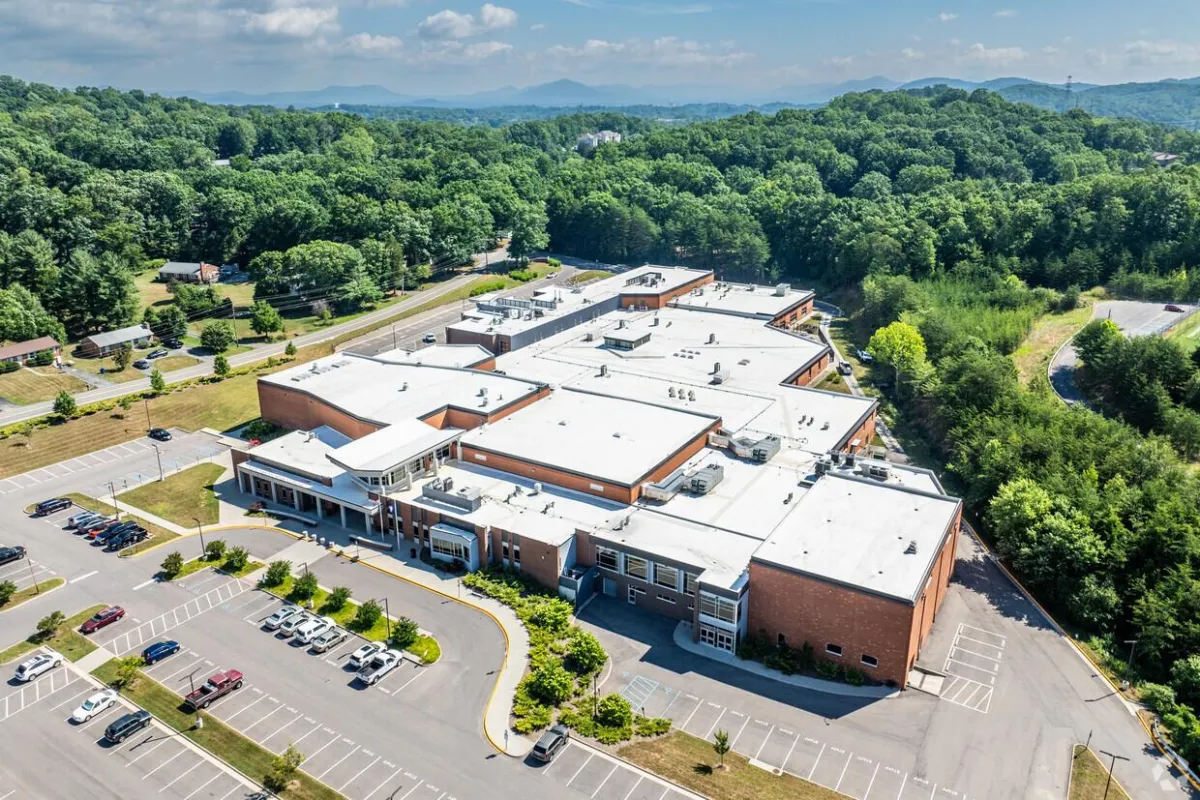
(313, 628)
(281, 616)
(365, 653)
(94, 705)
(38, 665)
(289, 625)
(383, 663)
(330, 638)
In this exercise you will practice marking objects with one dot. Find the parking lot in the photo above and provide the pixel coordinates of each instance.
(152, 763)
(597, 775)
(26, 572)
(972, 666)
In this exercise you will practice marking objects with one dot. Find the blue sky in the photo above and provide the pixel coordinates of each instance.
(446, 47)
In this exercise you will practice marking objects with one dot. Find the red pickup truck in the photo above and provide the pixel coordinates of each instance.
(215, 687)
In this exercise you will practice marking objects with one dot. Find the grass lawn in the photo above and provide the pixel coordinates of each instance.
(1048, 334)
(216, 737)
(35, 384)
(105, 368)
(590, 275)
(201, 564)
(425, 648)
(153, 292)
(168, 363)
(691, 762)
(183, 497)
(834, 382)
(33, 591)
(1187, 334)
(841, 331)
(1089, 777)
(68, 640)
(158, 535)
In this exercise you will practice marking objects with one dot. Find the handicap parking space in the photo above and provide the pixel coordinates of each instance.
(973, 665)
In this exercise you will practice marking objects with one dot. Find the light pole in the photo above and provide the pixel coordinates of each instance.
(158, 455)
(387, 616)
(1132, 645)
(200, 530)
(36, 588)
(147, 403)
(1112, 766)
(394, 345)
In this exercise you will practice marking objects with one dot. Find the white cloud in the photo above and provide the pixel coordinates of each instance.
(946, 16)
(1144, 53)
(912, 55)
(448, 24)
(994, 55)
(478, 51)
(540, 26)
(841, 61)
(367, 44)
(1051, 50)
(1005, 13)
(665, 51)
(299, 22)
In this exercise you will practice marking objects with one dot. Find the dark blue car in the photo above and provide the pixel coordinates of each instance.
(158, 651)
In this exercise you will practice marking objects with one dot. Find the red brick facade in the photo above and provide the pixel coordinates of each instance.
(295, 410)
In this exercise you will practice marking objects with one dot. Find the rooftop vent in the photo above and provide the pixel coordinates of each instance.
(671, 392)
(604, 370)
(404, 386)
(691, 395)
(781, 289)
(712, 338)
(911, 550)
(537, 488)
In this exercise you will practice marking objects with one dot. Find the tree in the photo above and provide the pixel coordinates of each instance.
(277, 572)
(7, 590)
(218, 336)
(126, 672)
(358, 290)
(290, 350)
(337, 598)
(614, 711)
(237, 559)
(158, 384)
(305, 587)
(215, 549)
(368, 614)
(172, 565)
(528, 232)
(121, 357)
(220, 366)
(64, 404)
(585, 653)
(720, 746)
(236, 137)
(283, 769)
(26, 430)
(1185, 680)
(551, 683)
(48, 625)
(265, 318)
(404, 634)
(900, 346)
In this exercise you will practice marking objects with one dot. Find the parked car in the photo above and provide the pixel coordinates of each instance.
(141, 363)
(94, 705)
(51, 506)
(83, 516)
(551, 743)
(379, 666)
(97, 529)
(330, 638)
(96, 525)
(281, 616)
(429, 338)
(365, 653)
(127, 539)
(161, 434)
(289, 625)
(213, 689)
(159, 650)
(844, 367)
(173, 344)
(38, 665)
(1172, 307)
(11, 554)
(312, 629)
(127, 725)
(114, 530)
(864, 356)
(156, 354)
(102, 619)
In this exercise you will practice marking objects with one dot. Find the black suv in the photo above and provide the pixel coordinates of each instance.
(10, 554)
(126, 726)
(50, 506)
(127, 538)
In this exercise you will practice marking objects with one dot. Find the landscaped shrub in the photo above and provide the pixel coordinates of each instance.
(337, 598)
(614, 711)
(8, 366)
(214, 550)
(651, 726)
(530, 714)
(551, 683)
(236, 559)
(404, 633)
(277, 573)
(585, 655)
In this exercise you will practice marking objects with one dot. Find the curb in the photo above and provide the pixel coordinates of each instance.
(1059, 349)
(28, 600)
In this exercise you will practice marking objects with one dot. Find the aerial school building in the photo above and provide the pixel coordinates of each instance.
(652, 437)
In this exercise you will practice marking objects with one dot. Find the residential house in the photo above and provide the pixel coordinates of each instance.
(21, 352)
(102, 344)
(186, 272)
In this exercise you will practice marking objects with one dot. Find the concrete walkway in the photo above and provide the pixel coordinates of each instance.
(683, 639)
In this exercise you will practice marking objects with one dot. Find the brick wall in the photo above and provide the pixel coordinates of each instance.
(930, 601)
(487, 340)
(661, 300)
(791, 316)
(865, 434)
(295, 410)
(813, 371)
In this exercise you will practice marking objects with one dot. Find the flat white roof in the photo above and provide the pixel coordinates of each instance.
(439, 355)
(742, 299)
(864, 534)
(344, 489)
(385, 393)
(591, 435)
(396, 444)
(304, 452)
(652, 279)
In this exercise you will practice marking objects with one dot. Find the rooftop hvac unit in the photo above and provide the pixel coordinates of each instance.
(483, 391)
(716, 367)
(589, 337)
(712, 338)
(620, 324)
(911, 550)
(654, 322)
(671, 392)
(781, 289)
(848, 459)
(447, 484)
(604, 370)
(537, 488)
(824, 465)
(404, 386)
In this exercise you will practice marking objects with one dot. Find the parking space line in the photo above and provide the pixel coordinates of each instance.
(978, 641)
(843, 775)
(606, 777)
(75, 696)
(264, 716)
(360, 772)
(258, 610)
(633, 788)
(305, 736)
(581, 766)
(740, 731)
(143, 755)
(199, 658)
(764, 743)
(234, 714)
(818, 761)
(383, 783)
(101, 716)
(993, 668)
(336, 736)
(182, 750)
(177, 777)
(714, 725)
(299, 714)
(1001, 637)
(410, 680)
(206, 783)
(357, 747)
(957, 646)
(410, 791)
(699, 702)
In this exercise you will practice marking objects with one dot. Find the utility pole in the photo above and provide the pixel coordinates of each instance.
(387, 616)
(113, 491)
(200, 528)
(1132, 645)
(147, 402)
(158, 454)
(1112, 766)
(233, 316)
(394, 345)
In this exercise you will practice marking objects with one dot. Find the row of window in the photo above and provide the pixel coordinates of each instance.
(720, 608)
(640, 568)
(451, 549)
(864, 659)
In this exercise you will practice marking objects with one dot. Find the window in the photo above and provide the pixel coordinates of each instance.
(869, 661)
(665, 576)
(516, 556)
(635, 567)
(632, 594)
(690, 582)
(834, 650)
(504, 550)
(444, 453)
(666, 599)
(718, 608)
(608, 559)
(480, 457)
(451, 549)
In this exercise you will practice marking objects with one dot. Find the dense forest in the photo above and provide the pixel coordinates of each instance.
(956, 218)
(1168, 102)
(499, 116)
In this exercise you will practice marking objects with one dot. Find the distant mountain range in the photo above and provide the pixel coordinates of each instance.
(1174, 101)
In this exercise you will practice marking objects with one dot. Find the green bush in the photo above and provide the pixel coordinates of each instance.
(172, 565)
(494, 285)
(214, 550)
(236, 559)
(1157, 697)
(305, 587)
(551, 683)
(337, 598)
(584, 652)
(367, 615)
(8, 366)
(522, 275)
(855, 677)
(614, 711)
(42, 359)
(651, 726)
(531, 714)
(404, 633)
(553, 262)
(277, 573)
(7, 590)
